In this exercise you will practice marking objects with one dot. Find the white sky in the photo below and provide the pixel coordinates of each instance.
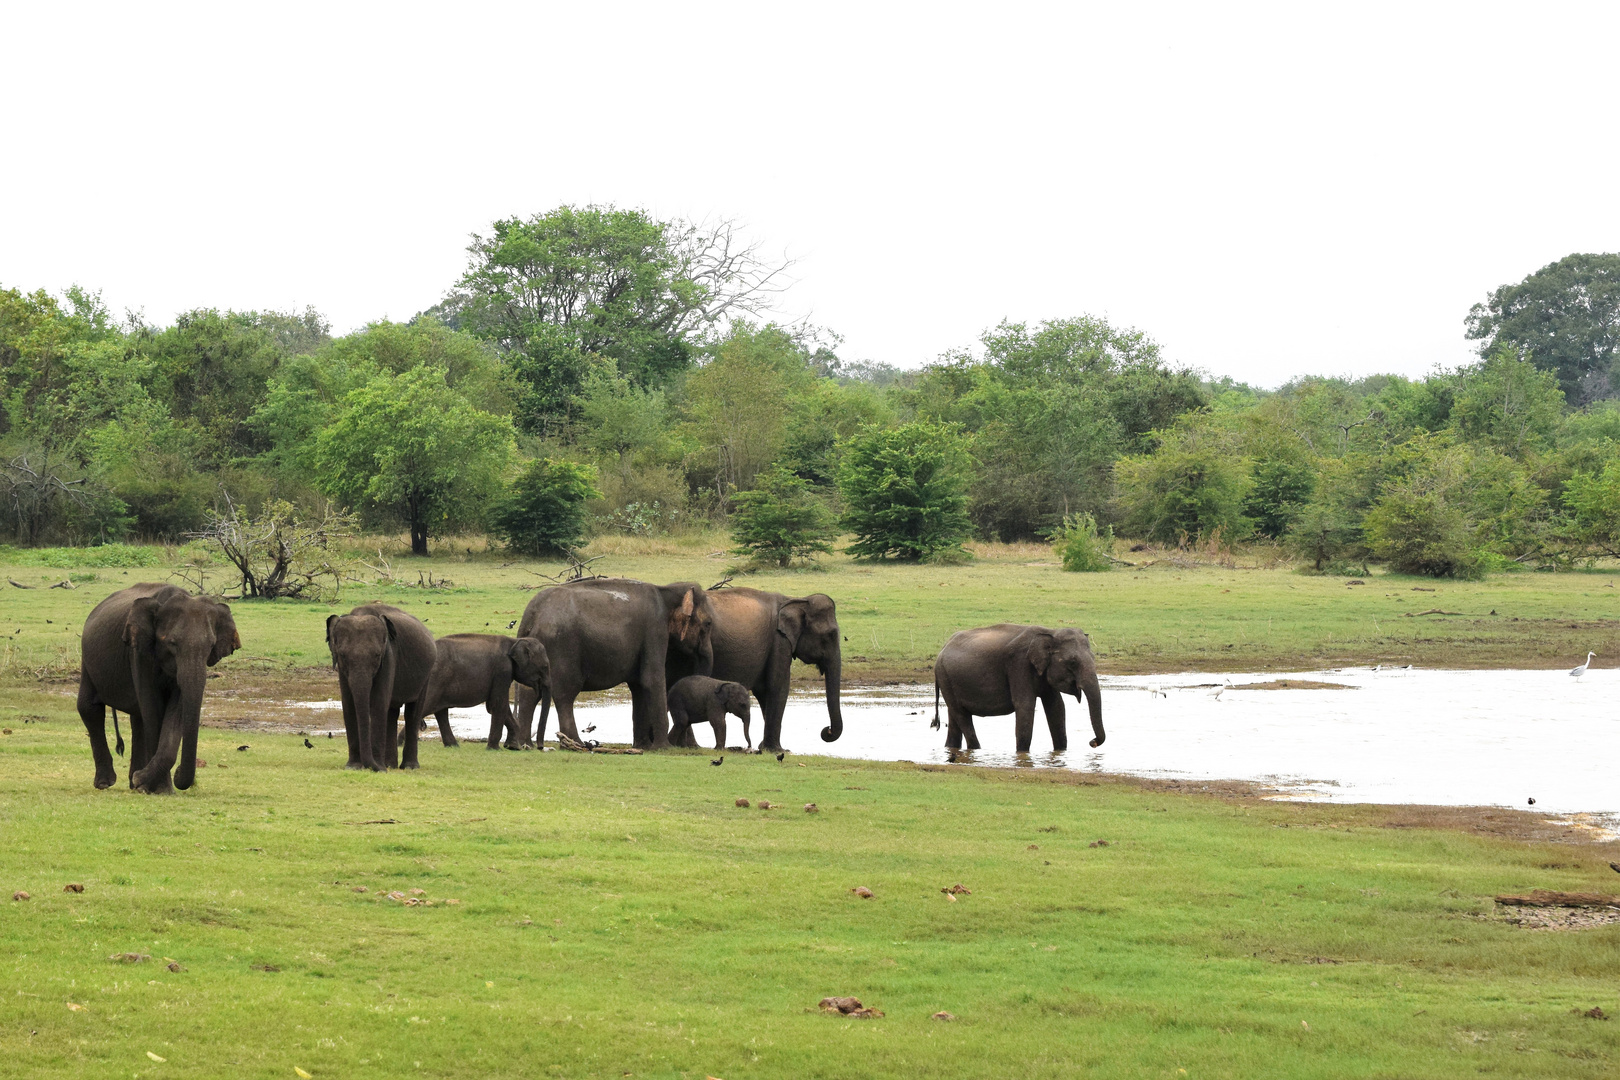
(1266, 190)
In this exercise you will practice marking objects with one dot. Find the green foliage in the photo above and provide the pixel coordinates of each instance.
(1187, 490)
(903, 491)
(101, 556)
(411, 446)
(1279, 490)
(1507, 403)
(1565, 318)
(781, 519)
(1421, 523)
(543, 513)
(1594, 505)
(1081, 546)
(737, 405)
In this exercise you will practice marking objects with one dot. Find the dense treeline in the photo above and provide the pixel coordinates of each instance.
(595, 369)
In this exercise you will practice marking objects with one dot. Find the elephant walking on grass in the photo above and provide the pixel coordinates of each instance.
(757, 636)
(479, 669)
(147, 650)
(607, 631)
(383, 657)
(1002, 669)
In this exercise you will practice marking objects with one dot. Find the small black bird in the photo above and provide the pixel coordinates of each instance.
(721, 760)
(309, 745)
(1532, 802)
(328, 734)
(242, 747)
(590, 729)
(782, 755)
(511, 624)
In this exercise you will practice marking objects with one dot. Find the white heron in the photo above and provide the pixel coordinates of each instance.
(1579, 671)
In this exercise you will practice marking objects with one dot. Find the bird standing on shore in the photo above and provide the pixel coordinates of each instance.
(1578, 672)
(721, 760)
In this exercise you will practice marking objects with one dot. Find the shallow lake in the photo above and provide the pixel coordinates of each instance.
(1456, 738)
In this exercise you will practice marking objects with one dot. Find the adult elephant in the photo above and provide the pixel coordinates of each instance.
(1002, 669)
(607, 631)
(384, 657)
(757, 636)
(147, 650)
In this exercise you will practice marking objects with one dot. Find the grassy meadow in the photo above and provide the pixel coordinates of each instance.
(620, 916)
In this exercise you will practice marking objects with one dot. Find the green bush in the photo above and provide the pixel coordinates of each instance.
(1279, 490)
(69, 558)
(1181, 493)
(544, 511)
(781, 519)
(903, 491)
(1420, 530)
(1081, 546)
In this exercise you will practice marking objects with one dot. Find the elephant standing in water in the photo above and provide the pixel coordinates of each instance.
(757, 636)
(147, 650)
(383, 657)
(607, 631)
(479, 669)
(1002, 669)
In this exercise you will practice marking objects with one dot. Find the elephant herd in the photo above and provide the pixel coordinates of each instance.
(686, 653)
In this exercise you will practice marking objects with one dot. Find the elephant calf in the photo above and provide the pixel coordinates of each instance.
(698, 699)
(479, 669)
(1002, 669)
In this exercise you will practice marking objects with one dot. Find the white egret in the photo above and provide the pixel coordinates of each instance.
(1578, 672)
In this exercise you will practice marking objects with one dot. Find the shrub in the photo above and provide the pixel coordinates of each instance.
(1418, 529)
(543, 513)
(1280, 488)
(781, 519)
(1081, 546)
(1181, 493)
(903, 491)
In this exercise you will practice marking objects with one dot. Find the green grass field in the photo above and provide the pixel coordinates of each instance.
(619, 916)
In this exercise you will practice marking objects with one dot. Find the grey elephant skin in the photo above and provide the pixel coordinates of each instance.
(607, 631)
(698, 699)
(757, 636)
(384, 657)
(1002, 669)
(147, 650)
(479, 669)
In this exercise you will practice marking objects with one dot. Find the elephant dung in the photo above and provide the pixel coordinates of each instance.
(848, 1006)
(811, 808)
(130, 957)
(943, 1015)
(862, 891)
(1098, 843)
(176, 966)
(743, 803)
(957, 890)
(20, 895)
(73, 886)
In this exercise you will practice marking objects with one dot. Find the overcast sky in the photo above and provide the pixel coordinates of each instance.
(1265, 190)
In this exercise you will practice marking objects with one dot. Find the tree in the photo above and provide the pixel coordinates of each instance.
(1593, 501)
(1184, 491)
(411, 446)
(1565, 318)
(620, 420)
(903, 491)
(737, 404)
(553, 290)
(1508, 403)
(543, 513)
(1279, 490)
(780, 519)
(279, 552)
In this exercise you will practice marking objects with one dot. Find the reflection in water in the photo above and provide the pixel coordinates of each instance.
(1439, 737)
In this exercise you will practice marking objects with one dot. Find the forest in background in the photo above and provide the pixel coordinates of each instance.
(598, 363)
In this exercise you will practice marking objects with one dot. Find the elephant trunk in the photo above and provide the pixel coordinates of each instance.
(835, 715)
(1088, 683)
(192, 678)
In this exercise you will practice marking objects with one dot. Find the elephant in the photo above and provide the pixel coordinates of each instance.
(606, 631)
(383, 657)
(479, 669)
(698, 699)
(1002, 669)
(757, 636)
(147, 650)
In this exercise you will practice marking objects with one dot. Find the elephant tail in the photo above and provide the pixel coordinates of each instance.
(935, 724)
(116, 732)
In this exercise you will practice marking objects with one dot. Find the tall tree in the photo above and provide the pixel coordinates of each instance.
(555, 289)
(1565, 318)
(411, 446)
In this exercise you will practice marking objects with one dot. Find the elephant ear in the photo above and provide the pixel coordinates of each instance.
(226, 639)
(392, 633)
(681, 620)
(330, 619)
(140, 625)
(790, 620)
(1041, 651)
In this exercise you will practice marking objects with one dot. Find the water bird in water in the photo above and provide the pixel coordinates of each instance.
(1578, 672)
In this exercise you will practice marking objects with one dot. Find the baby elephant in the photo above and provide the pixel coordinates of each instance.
(479, 669)
(698, 699)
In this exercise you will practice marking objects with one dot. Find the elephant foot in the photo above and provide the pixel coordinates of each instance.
(357, 766)
(158, 784)
(410, 765)
(105, 781)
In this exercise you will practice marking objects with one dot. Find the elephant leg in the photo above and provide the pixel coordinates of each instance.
(963, 730)
(527, 699)
(164, 740)
(413, 734)
(446, 736)
(496, 726)
(565, 719)
(392, 734)
(142, 741)
(375, 742)
(351, 728)
(94, 715)
(772, 705)
(1052, 706)
(720, 731)
(1024, 724)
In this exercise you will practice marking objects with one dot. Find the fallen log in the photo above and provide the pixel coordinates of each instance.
(1550, 898)
(19, 585)
(592, 747)
(1432, 611)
